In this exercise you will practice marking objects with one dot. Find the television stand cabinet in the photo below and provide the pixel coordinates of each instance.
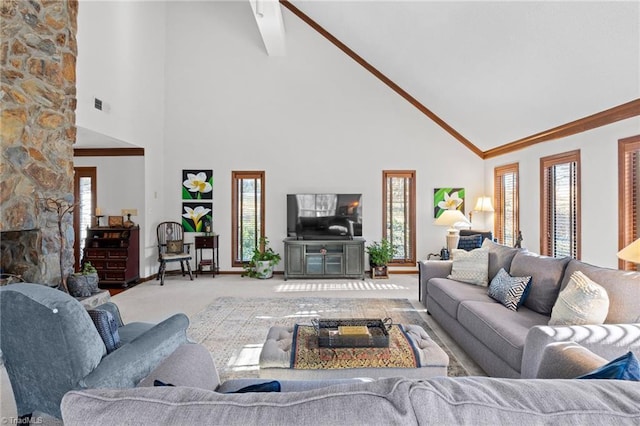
(323, 258)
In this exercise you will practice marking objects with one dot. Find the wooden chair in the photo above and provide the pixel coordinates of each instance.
(172, 248)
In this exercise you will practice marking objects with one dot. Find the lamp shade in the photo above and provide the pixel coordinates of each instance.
(483, 204)
(450, 217)
(631, 253)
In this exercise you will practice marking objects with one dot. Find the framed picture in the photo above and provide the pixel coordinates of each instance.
(195, 215)
(197, 184)
(115, 221)
(447, 199)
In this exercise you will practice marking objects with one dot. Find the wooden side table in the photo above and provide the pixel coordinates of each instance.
(208, 242)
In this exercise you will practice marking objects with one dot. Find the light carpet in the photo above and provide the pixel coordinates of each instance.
(234, 329)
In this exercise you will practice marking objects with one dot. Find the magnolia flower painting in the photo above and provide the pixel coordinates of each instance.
(447, 199)
(197, 184)
(194, 215)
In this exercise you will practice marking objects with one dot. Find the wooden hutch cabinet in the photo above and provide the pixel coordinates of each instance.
(115, 253)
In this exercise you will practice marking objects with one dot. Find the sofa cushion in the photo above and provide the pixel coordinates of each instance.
(449, 293)
(546, 277)
(502, 330)
(107, 328)
(623, 289)
(470, 266)
(508, 290)
(385, 400)
(625, 367)
(500, 256)
(581, 302)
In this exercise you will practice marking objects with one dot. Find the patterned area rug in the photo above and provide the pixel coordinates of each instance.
(234, 329)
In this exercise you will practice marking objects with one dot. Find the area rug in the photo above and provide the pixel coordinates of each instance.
(234, 329)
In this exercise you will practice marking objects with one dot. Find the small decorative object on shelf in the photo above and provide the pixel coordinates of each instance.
(129, 212)
(115, 221)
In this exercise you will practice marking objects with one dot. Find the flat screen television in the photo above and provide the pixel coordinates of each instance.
(324, 216)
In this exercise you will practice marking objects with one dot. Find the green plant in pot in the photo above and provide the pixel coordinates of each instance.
(85, 282)
(262, 262)
(380, 254)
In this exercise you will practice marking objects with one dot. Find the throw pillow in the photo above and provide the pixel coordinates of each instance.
(470, 242)
(273, 386)
(470, 266)
(625, 367)
(174, 246)
(508, 290)
(107, 328)
(581, 302)
(157, 382)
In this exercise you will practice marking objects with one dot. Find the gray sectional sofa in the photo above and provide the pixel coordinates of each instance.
(509, 343)
(199, 398)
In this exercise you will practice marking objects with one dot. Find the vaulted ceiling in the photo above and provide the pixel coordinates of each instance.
(496, 72)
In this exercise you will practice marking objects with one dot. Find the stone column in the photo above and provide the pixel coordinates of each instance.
(37, 127)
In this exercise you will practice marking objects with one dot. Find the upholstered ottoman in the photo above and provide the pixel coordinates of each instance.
(278, 360)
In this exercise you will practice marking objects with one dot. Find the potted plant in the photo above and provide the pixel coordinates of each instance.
(262, 262)
(83, 283)
(380, 254)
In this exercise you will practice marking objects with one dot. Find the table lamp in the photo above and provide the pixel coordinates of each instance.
(129, 212)
(450, 218)
(631, 253)
(483, 204)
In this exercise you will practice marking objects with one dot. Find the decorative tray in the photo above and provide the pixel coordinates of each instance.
(352, 333)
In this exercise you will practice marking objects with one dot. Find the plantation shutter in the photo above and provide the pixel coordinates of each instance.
(629, 161)
(506, 204)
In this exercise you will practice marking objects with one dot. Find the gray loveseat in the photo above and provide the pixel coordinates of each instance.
(509, 343)
(199, 398)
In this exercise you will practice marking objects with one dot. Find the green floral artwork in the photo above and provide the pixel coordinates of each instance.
(447, 199)
(195, 215)
(197, 184)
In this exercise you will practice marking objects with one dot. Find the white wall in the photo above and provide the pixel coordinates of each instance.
(121, 61)
(599, 188)
(314, 120)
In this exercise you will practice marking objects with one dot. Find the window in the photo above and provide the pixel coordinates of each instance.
(628, 187)
(247, 216)
(399, 214)
(84, 190)
(506, 195)
(560, 204)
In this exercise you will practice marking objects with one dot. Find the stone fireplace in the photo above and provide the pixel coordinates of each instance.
(37, 129)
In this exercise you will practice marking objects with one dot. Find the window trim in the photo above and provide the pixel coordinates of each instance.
(411, 174)
(498, 173)
(236, 176)
(545, 164)
(626, 221)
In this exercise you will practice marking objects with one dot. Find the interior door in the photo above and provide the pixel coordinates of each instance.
(84, 190)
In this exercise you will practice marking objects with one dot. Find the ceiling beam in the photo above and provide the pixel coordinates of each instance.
(413, 101)
(268, 15)
(611, 115)
(108, 152)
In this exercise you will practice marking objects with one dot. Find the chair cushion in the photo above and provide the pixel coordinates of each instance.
(470, 242)
(470, 266)
(175, 246)
(581, 302)
(107, 327)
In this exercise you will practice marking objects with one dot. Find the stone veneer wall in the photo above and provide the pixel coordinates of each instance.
(37, 127)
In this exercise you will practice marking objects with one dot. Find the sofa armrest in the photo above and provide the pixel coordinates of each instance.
(428, 269)
(606, 340)
(128, 365)
(567, 360)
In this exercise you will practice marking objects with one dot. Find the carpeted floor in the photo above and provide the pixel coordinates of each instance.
(233, 329)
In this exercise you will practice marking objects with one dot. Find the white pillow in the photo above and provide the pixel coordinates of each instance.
(581, 302)
(470, 266)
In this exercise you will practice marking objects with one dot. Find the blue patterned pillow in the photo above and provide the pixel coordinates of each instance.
(625, 367)
(107, 328)
(470, 242)
(508, 290)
